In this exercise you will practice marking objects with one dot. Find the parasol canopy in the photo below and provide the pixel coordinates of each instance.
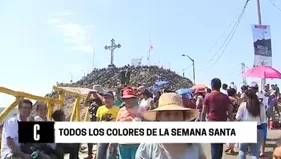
(184, 91)
(262, 72)
(199, 86)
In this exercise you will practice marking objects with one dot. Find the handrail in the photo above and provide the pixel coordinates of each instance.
(75, 116)
(20, 95)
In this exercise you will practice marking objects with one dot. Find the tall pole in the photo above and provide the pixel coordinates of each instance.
(259, 12)
(193, 66)
(71, 77)
(263, 80)
(93, 67)
(84, 73)
(243, 67)
(149, 50)
(111, 52)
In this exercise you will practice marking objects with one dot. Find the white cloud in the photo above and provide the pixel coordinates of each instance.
(75, 36)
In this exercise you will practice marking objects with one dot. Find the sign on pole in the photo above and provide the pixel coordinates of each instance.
(262, 45)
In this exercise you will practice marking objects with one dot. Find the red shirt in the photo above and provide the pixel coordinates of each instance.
(217, 104)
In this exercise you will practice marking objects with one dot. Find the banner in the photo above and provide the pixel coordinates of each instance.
(262, 45)
(136, 62)
(138, 132)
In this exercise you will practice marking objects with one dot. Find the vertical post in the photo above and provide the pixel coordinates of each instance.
(71, 77)
(193, 65)
(263, 80)
(259, 12)
(93, 67)
(111, 51)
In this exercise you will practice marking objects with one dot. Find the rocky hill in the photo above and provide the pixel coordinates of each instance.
(141, 75)
(111, 78)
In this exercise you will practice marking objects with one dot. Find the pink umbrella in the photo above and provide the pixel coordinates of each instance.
(262, 72)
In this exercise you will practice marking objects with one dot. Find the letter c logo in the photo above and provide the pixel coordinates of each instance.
(36, 128)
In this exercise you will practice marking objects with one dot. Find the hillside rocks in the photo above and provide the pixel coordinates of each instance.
(112, 77)
(142, 75)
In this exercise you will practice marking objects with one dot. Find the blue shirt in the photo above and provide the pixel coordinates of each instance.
(272, 103)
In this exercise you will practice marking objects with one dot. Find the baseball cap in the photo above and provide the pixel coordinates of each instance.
(254, 85)
(108, 93)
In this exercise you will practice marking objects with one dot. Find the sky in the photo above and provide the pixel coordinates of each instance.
(44, 42)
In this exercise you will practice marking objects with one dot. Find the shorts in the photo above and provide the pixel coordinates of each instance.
(264, 129)
(270, 114)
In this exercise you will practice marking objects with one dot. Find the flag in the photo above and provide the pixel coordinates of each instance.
(149, 50)
(150, 47)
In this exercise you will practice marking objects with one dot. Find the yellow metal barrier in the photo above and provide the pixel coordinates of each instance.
(20, 95)
(51, 102)
(75, 115)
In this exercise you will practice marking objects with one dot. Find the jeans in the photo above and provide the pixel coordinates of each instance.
(128, 151)
(216, 151)
(105, 153)
(254, 147)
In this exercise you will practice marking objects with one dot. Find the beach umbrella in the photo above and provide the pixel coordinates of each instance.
(184, 91)
(199, 86)
(262, 72)
(161, 83)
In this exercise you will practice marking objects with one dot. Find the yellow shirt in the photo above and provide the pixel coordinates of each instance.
(103, 110)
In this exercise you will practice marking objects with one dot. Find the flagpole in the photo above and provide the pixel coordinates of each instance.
(93, 64)
(148, 56)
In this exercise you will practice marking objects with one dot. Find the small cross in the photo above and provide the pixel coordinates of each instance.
(112, 47)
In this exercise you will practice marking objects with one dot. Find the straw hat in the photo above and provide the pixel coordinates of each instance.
(97, 88)
(170, 102)
(128, 93)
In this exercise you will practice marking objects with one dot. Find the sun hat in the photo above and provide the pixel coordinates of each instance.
(254, 85)
(232, 85)
(128, 93)
(97, 88)
(127, 87)
(170, 102)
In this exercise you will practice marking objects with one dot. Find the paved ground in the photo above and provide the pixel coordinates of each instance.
(273, 135)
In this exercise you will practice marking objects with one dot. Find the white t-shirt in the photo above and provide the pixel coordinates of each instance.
(158, 151)
(262, 97)
(10, 129)
(145, 104)
(38, 118)
(244, 115)
(224, 92)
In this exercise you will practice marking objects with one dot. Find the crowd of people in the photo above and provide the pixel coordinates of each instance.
(135, 104)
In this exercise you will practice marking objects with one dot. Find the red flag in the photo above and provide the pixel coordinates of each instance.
(150, 47)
